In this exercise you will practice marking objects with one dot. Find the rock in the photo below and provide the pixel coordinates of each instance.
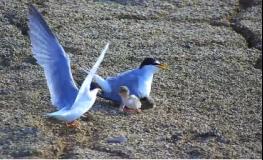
(209, 135)
(117, 139)
(175, 138)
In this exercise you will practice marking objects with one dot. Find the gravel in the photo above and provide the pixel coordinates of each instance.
(208, 104)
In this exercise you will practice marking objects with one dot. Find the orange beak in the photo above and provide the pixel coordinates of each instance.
(163, 66)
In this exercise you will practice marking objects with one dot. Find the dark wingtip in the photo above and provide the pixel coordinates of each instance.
(31, 8)
(36, 17)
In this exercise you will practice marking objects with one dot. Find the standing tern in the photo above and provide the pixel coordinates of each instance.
(70, 101)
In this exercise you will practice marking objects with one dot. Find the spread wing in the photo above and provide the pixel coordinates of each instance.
(52, 57)
(85, 87)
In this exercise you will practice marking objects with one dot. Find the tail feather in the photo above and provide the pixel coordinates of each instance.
(104, 85)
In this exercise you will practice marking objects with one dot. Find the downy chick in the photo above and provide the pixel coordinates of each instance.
(130, 103)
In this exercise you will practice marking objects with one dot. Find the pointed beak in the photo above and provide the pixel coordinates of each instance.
(163, 66)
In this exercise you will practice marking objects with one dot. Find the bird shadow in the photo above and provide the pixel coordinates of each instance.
(106, 107)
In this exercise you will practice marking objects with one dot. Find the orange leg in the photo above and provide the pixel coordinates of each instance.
(74, 124)
(128, 110)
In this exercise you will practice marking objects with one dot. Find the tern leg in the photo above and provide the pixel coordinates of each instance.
(129, 110)
(74, 124)
(121, 107)
(147, 103)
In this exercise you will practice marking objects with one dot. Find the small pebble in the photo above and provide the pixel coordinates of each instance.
(118, 139)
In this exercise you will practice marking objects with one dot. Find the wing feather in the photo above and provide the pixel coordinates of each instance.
(85, 87)
(52, 57)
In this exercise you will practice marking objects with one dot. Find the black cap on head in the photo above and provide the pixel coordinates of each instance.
(149, 61)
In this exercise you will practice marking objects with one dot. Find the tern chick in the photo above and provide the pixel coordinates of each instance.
(130, 103)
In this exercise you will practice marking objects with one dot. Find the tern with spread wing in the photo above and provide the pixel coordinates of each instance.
(70, 101)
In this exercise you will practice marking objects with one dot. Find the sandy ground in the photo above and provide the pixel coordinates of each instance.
(209, 103)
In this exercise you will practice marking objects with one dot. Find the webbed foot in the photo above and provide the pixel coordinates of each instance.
(132, 111)
(73, 124)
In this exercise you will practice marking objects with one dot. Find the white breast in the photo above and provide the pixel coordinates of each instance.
(145, 86)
